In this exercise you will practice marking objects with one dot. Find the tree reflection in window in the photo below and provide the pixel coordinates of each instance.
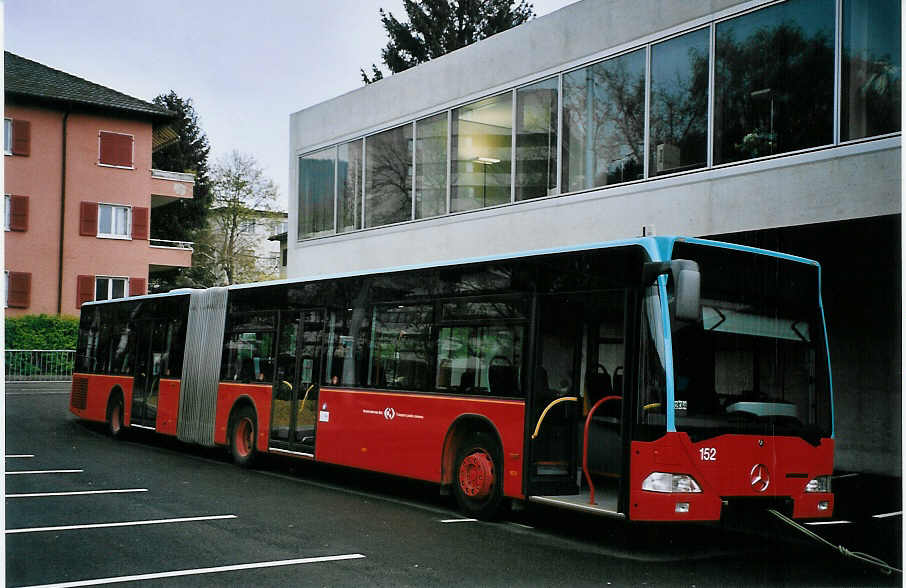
(388, 177)
(604, 122)
(679, 103)
(870, 103)
(774, 80)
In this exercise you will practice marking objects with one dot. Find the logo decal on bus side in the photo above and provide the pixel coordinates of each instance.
(759, 477)
(389, 413)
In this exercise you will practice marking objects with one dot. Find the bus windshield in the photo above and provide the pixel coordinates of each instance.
(756, 361)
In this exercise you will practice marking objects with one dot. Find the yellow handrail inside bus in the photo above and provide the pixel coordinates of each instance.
(550, 406)
(304, 398)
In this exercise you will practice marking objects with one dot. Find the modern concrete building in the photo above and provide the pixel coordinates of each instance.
(766, 123)
(80, 191)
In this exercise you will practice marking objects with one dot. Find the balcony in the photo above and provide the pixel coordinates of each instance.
(168, 186)
(167, 254)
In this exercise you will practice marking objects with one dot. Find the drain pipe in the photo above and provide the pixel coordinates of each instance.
(62, 219)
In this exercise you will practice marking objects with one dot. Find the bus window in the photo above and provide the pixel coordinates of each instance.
(248, 357)
(480, 347)
(401, 347)
(89, 333)
(123, 352)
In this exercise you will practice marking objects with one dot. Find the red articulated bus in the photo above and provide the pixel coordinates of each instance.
(655, 379)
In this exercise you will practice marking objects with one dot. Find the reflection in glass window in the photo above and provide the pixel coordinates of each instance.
(679, 103)
(870, 103)
(248, 357)
(480, 359)
(536, 140)
(774, 80)
(316, 193)
(431, 166)
(349, 189)
(401, 347)
(604, 122)
(481, 146)
(388, 177)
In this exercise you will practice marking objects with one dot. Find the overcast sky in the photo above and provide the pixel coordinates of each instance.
(246, 65)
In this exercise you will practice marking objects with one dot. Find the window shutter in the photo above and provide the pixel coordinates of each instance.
(140, 222)
(18, 213)
(21, 137)
(115, 149)
(84, 290)
(19, 290)
(88, 219)
(125, 150)
(136, 286)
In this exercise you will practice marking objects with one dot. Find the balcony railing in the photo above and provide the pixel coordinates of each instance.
(171, 175)
(187, 245)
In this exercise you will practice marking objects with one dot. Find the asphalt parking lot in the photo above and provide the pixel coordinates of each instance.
(83, 509)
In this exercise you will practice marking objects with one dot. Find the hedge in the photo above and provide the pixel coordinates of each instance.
(41, 331)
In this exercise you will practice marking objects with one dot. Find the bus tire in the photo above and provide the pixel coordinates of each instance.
(477, 479)
(115, 425)
(243, 432)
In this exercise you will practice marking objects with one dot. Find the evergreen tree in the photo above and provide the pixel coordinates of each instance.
(182, 220)
(436, 27)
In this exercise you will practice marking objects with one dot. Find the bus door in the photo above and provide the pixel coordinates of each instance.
(579, 359)
(151, 344)
(553, 407)
(298, 374)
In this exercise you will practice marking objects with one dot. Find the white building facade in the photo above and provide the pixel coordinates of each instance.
(775, 124)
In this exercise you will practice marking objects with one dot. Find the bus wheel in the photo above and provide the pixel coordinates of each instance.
(115, 416)
(243, 429)
(477, 481)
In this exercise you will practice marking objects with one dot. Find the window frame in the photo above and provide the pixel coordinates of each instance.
(128, 235)
(111, 165)
(111, 279)
(7, 136)
(7, 209)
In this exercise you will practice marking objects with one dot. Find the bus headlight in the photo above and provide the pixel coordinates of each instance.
(664, 482)
(819, 484)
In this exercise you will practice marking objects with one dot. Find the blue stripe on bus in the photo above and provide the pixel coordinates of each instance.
(668, 350)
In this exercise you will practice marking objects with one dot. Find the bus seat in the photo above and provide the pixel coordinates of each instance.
(501, 379)
(467, 380)
(598, 385)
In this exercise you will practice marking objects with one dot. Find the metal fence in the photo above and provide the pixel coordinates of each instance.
(45, 365)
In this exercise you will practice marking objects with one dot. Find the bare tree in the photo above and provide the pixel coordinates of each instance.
(242, 197)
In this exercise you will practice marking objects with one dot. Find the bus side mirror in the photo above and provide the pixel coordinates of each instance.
(687, 280)
(686, 285)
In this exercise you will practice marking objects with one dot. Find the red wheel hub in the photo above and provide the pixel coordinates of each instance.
(243, 437)
(476, 475)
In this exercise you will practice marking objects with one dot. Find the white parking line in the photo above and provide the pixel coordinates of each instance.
(199, 571)
(45, 472)
(830, 523)
(76, 493)
(13, 456)
(887, 514)
(123, 524)
(459, 520)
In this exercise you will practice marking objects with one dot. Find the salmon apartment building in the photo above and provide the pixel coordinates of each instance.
(80, 192)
